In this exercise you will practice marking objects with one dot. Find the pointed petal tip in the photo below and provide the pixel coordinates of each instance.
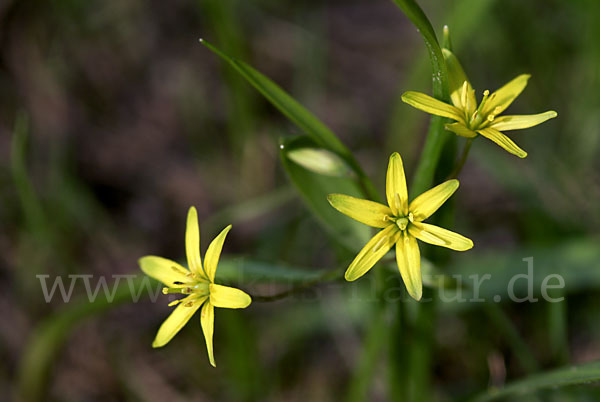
(348, 276)
(406, 96)
(467, 246)
(417, 295)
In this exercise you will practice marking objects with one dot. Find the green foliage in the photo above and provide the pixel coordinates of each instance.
(314, 188)
(574, 375)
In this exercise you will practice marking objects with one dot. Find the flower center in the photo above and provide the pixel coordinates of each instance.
(197, 288)
(403, 221)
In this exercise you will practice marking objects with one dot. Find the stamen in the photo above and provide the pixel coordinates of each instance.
(477, 116)
(411, 217)
(165, 290)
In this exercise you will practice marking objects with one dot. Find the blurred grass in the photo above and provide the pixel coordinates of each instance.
(129, 122)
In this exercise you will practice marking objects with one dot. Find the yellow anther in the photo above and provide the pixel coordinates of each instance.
(165, 291)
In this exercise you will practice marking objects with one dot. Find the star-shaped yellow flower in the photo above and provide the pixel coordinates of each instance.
(197, 284)
(402, 225)
(483, 119)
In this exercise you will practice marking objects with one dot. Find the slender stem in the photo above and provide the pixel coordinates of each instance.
(366, 186)
(515, 341)
(463, 158)
(328, 276)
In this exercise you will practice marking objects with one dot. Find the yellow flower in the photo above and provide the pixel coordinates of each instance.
(483, 119)
(402, 225)
(197, 284)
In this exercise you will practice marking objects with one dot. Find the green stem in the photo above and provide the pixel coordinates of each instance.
(463, 158)
(520, 349)
(366, 185)
(328, 276)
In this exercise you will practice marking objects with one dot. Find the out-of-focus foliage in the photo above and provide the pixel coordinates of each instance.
(114, 120)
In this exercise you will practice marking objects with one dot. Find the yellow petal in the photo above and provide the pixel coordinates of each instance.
(395, 186)
(427, 203)
(522, 121)
(192, 241)
(439, 236)
(178, 318)
(207, 320)
(372, 252)
(224, 296)
(408, 259)
(456, 80)
(503, 97)
(502, 140)
(431, 105)
(460, 129)
(211, 259)
(365, 211)
(168, 272)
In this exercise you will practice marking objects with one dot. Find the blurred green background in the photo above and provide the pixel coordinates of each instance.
(114, 120)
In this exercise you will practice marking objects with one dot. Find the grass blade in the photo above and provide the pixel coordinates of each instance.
(298, 114)
(581, 374)
(314, 189)
(287, 105)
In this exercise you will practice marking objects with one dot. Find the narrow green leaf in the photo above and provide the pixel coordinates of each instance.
(42, 350)
(293, 110)
(30, 203)
(414, 13)
(580, 374)
(241, 270)
(436, 137)
(299, 115)
(314, 189)
(375, 340)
